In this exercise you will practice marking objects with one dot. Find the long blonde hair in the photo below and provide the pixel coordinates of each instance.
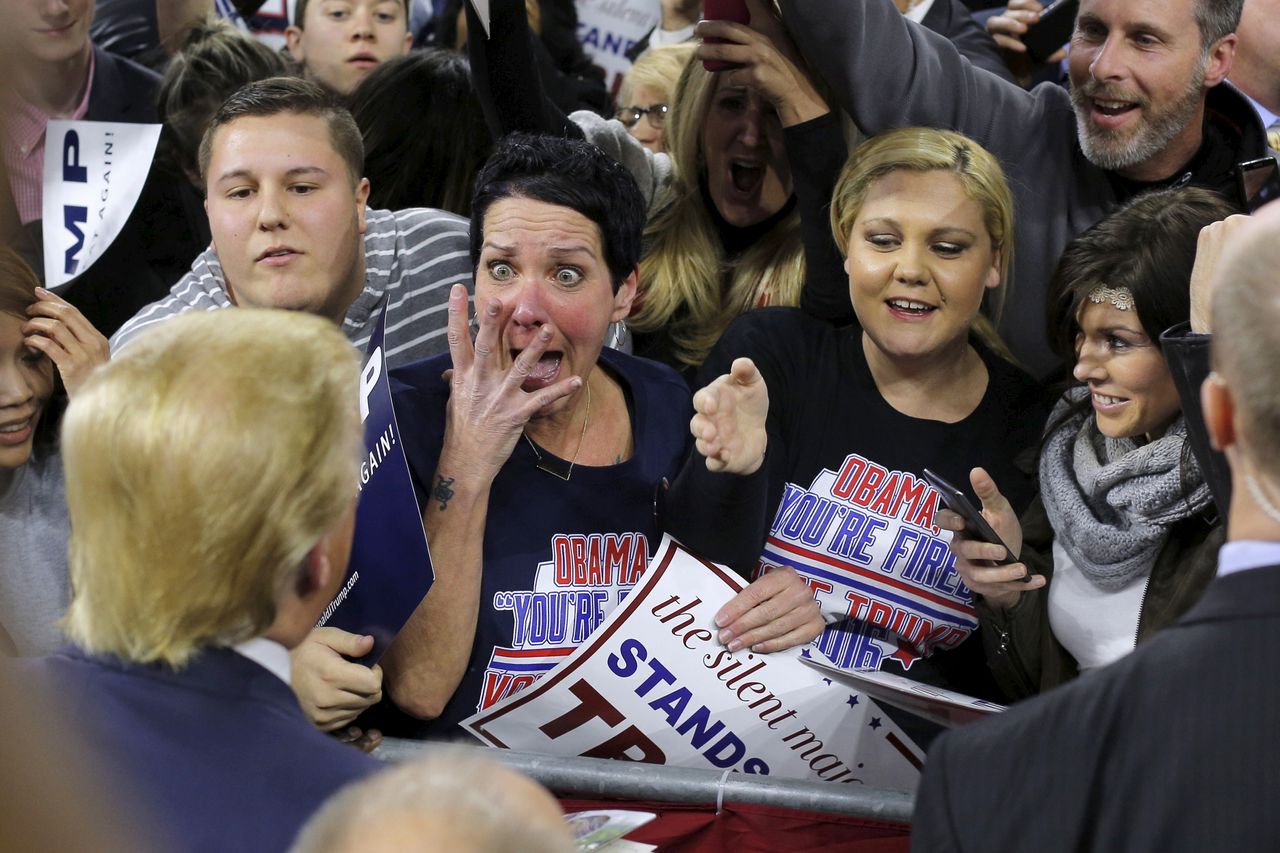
(688, 289)
(922, 149)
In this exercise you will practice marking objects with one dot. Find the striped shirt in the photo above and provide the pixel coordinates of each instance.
(412, 257)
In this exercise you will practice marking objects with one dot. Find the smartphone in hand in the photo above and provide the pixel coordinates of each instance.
(974, 524)
(1257, 183)
(723, 10)
(1046, 36)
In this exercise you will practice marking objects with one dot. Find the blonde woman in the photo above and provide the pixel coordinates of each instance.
(854, 414)
(647, 94)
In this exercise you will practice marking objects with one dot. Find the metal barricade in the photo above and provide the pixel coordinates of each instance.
(601, 778)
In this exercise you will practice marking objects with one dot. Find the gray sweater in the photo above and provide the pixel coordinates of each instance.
(888, 72)
(34, 586)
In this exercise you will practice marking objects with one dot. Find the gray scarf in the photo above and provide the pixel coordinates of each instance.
(1111, 501)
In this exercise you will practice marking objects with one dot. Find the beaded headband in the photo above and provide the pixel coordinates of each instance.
(1119, 297)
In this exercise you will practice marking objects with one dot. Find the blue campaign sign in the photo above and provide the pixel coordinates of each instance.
(390, 568)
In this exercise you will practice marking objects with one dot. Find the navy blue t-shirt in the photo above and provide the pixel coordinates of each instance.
(558, 555)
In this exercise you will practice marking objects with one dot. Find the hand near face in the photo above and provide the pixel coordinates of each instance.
(331, 689)
(488, 408)
(770, 63)
(776, 611)
(57, 328)
(1001, 586)
(729, 420)
(1214, 238)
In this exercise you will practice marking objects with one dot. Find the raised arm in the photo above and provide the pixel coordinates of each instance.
(888, 72)
(486, 412)
(505, 76)
(777, 610)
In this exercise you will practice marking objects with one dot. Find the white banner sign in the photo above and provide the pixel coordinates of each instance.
(93, 175)
(610, 28)
(654, 684)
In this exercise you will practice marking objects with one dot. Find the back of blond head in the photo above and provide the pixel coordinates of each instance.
(920, 149)
(1246, 339)
(454, 800)
(203, 462)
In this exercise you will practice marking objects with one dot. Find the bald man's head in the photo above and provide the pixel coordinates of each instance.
(453, 801)
(1246, 335)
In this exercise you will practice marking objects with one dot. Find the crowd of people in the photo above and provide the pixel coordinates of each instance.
(792, 262)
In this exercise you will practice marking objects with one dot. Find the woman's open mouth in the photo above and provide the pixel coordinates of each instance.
(746, 175)
(17, 432)
(909, 309)
(544, 373)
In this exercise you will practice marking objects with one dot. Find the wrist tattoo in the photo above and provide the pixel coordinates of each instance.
(442, 491)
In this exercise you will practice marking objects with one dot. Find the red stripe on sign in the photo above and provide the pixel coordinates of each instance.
(878, 577)
(533, 653)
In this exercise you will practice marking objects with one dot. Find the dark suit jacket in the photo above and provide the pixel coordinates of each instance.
(1172, 748)
(218, 753)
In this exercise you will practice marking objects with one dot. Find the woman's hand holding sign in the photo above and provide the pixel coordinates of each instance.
(775, 612)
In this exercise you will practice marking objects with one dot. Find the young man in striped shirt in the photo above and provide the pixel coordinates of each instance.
(285, 193)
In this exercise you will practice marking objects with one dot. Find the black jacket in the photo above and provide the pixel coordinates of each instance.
(1170, 749)
(1025, 657)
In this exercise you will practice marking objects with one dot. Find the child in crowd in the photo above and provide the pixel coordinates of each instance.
(339, 42)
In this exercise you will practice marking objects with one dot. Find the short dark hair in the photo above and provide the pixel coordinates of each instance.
(1217, 18)
(570, 173)
(425, 136)
(300, 13)
(215, 60)
(1148, 246)
(278, 95)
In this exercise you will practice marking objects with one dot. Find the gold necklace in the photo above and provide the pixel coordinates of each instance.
(545, 465)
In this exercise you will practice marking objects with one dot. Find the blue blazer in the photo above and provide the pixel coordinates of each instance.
(218, 755)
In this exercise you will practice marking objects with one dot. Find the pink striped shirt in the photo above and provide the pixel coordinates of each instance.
(22, 130)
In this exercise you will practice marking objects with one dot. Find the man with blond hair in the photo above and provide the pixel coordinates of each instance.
(212, 501)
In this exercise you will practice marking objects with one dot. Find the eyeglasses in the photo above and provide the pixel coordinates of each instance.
(630, 115)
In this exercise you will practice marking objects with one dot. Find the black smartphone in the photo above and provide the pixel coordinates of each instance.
(1258, 182)
(974, 524)
(724, 10)
(1047, 35)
